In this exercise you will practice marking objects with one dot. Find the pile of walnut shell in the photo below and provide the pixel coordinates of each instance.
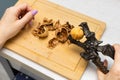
(61, 31)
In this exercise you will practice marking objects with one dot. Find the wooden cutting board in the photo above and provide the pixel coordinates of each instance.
(63, 59)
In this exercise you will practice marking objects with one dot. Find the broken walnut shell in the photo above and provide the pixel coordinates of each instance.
(57, 25)
(49, 24)
(52, 43)
(68, 26)
(61, 34)
(41, 31)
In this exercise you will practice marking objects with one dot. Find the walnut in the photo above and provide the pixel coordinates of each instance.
(77, 33)
(57, 24)
(49, 24)
(41, 31)
(61, 31)
(52, 43)
(61, 34)
(68, 26)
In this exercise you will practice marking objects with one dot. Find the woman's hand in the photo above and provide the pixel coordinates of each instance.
(13, 20)
(114, 73)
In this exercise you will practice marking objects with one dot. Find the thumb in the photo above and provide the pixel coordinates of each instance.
(27, 17)
(101, 75)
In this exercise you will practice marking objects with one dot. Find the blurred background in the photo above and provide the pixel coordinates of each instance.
(5, 4)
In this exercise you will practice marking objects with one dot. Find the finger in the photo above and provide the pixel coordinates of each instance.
(117, 53)
(22, 8)
(27, 17)
(101, 75)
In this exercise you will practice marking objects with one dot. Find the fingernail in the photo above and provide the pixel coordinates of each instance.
(34, 12)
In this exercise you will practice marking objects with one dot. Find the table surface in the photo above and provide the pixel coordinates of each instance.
(104, 10)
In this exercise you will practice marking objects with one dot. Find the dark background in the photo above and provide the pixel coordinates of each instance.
(5, 4)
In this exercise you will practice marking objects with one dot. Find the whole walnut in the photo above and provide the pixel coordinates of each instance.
(77, 33)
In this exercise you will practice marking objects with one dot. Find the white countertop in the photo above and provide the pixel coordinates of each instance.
(104, 10)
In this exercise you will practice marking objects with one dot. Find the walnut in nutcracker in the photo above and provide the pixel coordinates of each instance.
(91, 47)
(77, 33)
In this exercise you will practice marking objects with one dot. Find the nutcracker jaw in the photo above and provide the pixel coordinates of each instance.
(92, 47)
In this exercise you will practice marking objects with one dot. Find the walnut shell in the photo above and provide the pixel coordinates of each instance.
(77, 33)
(52, 43)
(49, 24)
(41, 31)
(61, 34)
(44, 34)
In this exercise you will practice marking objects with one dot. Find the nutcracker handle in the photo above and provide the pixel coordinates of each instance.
(107, 50)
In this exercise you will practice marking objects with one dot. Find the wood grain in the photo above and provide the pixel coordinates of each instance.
(63, 59)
